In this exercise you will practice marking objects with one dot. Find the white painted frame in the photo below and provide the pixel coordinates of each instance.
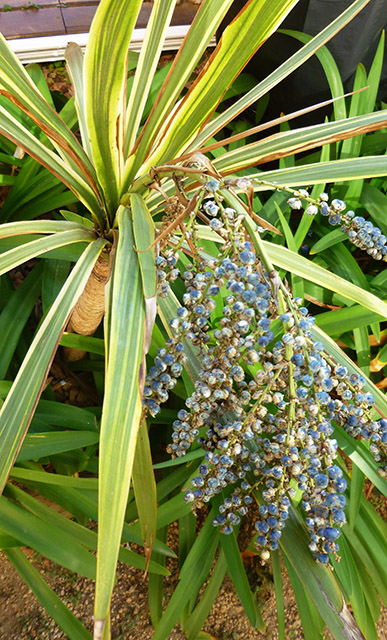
(51, 48)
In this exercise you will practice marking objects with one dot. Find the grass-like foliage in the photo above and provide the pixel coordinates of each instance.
(178, 241)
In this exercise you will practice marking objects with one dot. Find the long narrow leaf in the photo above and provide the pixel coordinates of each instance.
(74, 60)
(144, 486)
(18, 408)
(294, 263)
(237, 45)
(205, 23)
(238, 576)
(312, 623)
(146, 66)
(105, 69)
(38, 445)
(121, 409)
(16, 84)
(316, 579)
(331, 171)
(49, 540)
(199, 615)
(278, 588)
(300, 140)
(20, 135)
(190, 579)
(290, 65)
(24, 252)
(15, 314)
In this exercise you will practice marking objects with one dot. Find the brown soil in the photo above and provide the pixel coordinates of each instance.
(23, 618)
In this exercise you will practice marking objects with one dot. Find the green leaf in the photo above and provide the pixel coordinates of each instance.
(235, 48)
(362, 345)
(144, 486)
(37, 76)
(46, 538)
(80, 534)
(15, 314)
(331, 72)
(290, 65)
(156, 584)
(12, 129)
(238, 576)
(105, 82)
(330, 239)
(316, 579)
(37, 445)
(206, 21)
(54, 276)
(121, 408)
(346, 572)
(356, 492)
(199, 615)
(47, 596)
(84, 343)
(279, 597)
(67, 416)
(296, 141)
(32, 476)
(23, 252)
(147, 63)
(330, 171)
(19, 406)
(337, 321)
(294, 263)
(7, 541)
(190, 579)
(312, 623)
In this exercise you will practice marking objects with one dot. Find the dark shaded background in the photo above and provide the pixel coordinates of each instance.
(357, 42)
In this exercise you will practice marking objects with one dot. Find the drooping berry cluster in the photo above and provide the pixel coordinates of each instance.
(361, 232)
(266, 398)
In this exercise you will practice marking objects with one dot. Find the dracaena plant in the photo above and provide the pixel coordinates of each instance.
(122, 172)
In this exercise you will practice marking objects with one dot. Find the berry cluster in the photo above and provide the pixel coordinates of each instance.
(266, 398)
(361, 232)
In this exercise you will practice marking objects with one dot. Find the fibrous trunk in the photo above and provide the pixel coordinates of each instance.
(90, 308)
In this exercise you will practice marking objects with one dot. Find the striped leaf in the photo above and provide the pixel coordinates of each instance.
(285, 259)
(330, 171)
(19, 406)
(21, 136)
(147, 63)
(74, 60)
(105, 69)
(23, 252)
(121, 409)
(16, 84)
(237, 45)
(296, 141)
(202, 29)
(290, 65)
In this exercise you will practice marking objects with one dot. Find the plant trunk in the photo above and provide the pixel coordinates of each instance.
(90, 308)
